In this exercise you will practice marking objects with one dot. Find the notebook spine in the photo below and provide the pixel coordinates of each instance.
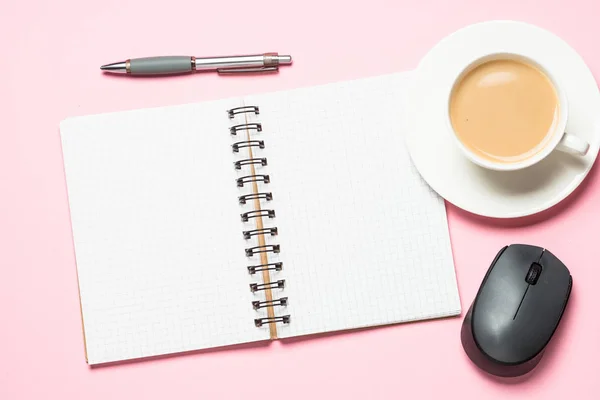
(249, 181)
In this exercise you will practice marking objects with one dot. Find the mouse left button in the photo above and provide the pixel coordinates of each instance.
(498, 301)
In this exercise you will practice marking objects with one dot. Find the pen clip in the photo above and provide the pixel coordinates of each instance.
(246, 70)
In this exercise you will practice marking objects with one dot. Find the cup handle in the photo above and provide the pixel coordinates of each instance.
(574, 145)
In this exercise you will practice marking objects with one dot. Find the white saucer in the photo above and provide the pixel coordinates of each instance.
(446, 169)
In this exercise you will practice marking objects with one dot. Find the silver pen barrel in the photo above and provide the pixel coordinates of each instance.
(249, 63)
(213, 63)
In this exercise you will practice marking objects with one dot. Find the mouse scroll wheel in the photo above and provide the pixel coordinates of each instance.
(534, 273)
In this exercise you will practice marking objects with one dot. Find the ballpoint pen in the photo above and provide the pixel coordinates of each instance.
(169, 65)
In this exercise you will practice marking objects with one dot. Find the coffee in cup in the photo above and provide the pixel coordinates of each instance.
(507, 112)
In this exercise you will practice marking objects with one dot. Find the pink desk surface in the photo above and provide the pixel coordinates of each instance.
(51, 52)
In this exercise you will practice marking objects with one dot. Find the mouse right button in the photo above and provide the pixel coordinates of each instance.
(548, 297)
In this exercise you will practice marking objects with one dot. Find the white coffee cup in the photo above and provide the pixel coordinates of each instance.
(558, 140)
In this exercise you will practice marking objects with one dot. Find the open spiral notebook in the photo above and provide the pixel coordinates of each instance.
(240, 220)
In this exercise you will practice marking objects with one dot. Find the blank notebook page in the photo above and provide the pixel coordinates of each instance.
(364, 241)
(157, 232)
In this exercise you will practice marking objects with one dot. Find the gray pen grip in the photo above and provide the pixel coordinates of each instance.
(160, 65)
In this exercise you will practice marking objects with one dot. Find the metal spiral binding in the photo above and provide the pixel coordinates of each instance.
(255, 232)
(257, 213)
(241, 110)
(260, 321)
(277, 266)
(247, 143)
(250, 180)
(255, 287)
(244, 127)
(268, 248)
(267, 196)
(248, 161)
(279, 302)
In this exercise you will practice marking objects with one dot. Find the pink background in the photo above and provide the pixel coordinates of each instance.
(49, 70)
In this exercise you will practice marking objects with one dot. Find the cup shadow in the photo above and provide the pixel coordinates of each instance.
(529, 180)
(534, 177)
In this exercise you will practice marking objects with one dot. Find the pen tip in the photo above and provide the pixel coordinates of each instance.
(119, 67)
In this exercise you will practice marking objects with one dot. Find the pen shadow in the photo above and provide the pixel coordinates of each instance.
(530, 220)
(112, 75)
(215, 350)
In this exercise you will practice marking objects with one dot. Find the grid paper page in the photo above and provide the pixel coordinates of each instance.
(364, 240)
(157, 232)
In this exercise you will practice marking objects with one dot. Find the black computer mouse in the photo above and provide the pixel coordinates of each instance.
(518, 307)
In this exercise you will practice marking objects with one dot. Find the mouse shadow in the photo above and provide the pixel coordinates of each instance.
(551, 355)
(529, 180)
